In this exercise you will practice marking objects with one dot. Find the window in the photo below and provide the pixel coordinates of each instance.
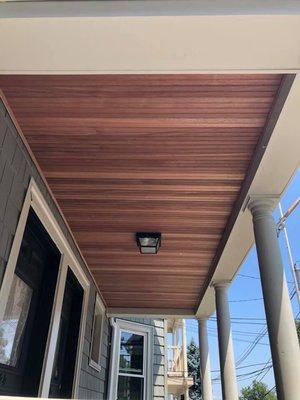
(97, 334)
(131, 367)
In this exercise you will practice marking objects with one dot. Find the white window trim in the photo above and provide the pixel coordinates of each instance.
(35, 200)
(145, 330)
(98, 305)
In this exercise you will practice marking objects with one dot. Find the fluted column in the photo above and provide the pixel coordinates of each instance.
(280, 320)
(204, 360)
(226, 353)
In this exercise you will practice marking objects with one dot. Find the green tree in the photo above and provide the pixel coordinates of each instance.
(193, 359)
(298, 328)
(257, 391)
(3, 343)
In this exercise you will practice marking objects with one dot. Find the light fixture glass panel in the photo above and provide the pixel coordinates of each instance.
(148, 241)
(148, 250)
(12, 326)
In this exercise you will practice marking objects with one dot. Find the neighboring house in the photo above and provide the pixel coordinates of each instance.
(143, 146)
(178, 382)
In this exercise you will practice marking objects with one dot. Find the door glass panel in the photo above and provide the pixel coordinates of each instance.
(130, 388)
(14, 321)
(131, 353)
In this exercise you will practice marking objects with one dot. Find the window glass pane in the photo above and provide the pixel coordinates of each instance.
(95, 353)
(130, 388)
(131, 353)
(13, 325)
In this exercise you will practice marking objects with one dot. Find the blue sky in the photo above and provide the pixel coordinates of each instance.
(244, 288)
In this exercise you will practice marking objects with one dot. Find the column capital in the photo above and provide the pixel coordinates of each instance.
(260, 205)
(203, 318)
(221, 284)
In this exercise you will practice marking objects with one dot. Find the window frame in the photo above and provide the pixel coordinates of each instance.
(119, 326)
(97, 307)
(34, 199)
(142, 376)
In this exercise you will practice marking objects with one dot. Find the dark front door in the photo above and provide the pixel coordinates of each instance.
(25, 326)
(66, 348)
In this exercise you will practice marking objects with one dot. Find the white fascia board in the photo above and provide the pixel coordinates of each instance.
(154, 44)
(278, 166)
(149, 313)
(37, 9)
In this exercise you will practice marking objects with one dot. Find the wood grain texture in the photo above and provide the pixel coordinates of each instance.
(128, 153)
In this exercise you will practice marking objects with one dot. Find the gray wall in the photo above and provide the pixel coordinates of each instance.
(16, 170)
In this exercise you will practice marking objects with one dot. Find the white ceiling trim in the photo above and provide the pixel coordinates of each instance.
(177, 44)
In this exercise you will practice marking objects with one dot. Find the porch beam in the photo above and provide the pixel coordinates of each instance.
(147, 44)
(180, 313)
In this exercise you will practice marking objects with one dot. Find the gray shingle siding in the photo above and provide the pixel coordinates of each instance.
(16, 170)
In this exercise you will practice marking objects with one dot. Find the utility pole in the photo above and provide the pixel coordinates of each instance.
(281, 227)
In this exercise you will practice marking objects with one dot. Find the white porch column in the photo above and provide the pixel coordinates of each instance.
(185, 363)
(226, 353)
(280, 321)
(204, 360)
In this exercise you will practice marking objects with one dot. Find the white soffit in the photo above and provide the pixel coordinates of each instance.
(150, 44)
(278, 165)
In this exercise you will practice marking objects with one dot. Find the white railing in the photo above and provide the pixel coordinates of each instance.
(175, 359)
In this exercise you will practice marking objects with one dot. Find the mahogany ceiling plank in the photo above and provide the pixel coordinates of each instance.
(126, 153)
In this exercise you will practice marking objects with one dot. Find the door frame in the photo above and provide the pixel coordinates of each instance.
(35, 200)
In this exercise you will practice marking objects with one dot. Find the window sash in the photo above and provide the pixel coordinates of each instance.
(144, 353)
(142, 376)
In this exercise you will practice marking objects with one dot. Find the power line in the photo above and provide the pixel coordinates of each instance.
(251, 347)
(243, 341)
(262, 377)
(271, 390)
(263, 371)
(245, 300)
(240, 319)
(245, 375)
(244, 322)
(255, 277)
(248, 276)
(256, 341)
(234, 331)
(243, 367)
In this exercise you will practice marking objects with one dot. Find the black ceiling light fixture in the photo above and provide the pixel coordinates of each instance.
(148, 242)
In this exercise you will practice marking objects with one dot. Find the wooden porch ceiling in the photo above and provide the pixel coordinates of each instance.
(128, 153)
